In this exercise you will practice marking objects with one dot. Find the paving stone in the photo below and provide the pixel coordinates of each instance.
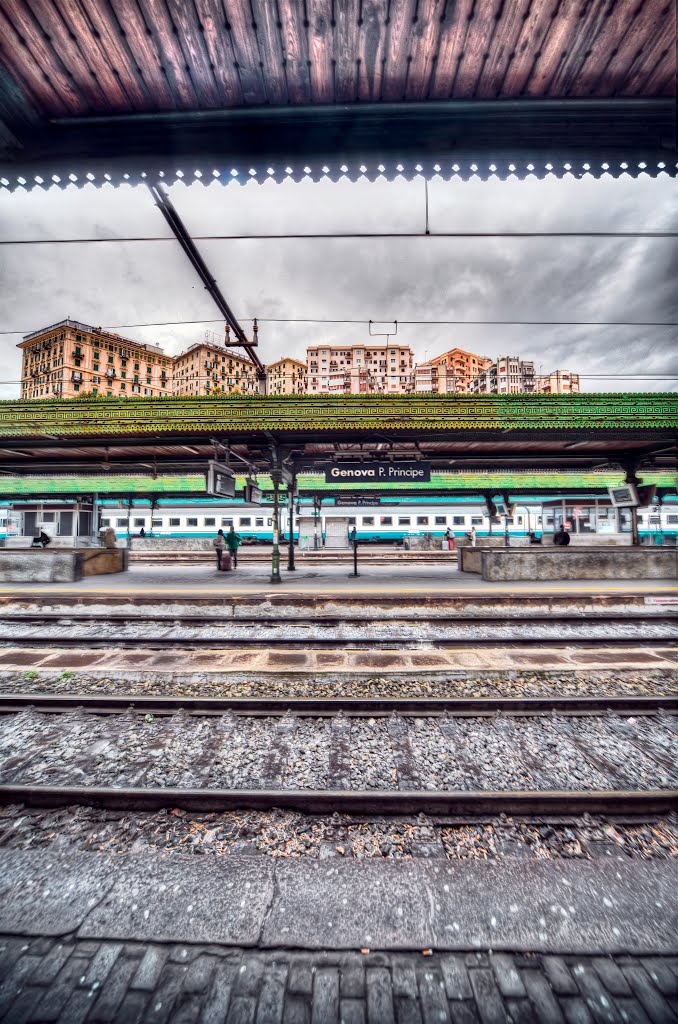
(164, 999)
(149, 969)
(352, 981)
(132, 1009)
(183, 954)
(403, 978)
(297, 1011)
(272, 995)
(199, 974)
(300, 980)
(407, 1010)
(51, 964)
(610, 975)
(558, 974)
(22, 1008)
(653, 1002)
(598, 999)
(58, 993)
(186, 1010)
(241, 1010)
(631, 1012)
(433, 998)
(508, 978)
(520, 1011)
(78, 1006)
(463, 1012)
(576, 1011)
(16, 978)
(325, 1006)
(101, 963)
(42, 946)
(352, 1011)
(488, 999)
(477, 960)
(542, 998)
(112, 992)
(248, 977)
(10, 951)
(219, 997)
(379, 996)
(455, 974)
(661, 974)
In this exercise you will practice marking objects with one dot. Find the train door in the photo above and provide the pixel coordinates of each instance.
(336, 531)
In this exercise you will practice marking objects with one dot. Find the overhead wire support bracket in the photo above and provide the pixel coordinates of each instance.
(178, 229)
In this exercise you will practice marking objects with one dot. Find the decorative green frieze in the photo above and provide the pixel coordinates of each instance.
(280, 413)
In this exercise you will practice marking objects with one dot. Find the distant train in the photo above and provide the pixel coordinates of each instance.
(389, 522)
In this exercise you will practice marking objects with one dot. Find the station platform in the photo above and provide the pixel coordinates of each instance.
(396, 579)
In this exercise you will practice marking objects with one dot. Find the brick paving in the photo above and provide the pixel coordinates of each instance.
(76, 982)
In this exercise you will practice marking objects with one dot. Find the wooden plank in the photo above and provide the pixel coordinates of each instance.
(245, 51)
(68, 53)
(194, 50)
(450, 47)
(144, 49)
(371, 49)
(321, 50)
(37, 62)
(26, 75)
(662, 79)
(398, 41)
(160, 25)
(111, 42)
(530, 40)
(346, 35)
(220, 50)
(77, 23)
(481, 30)
(584, 41)
(556, 43)
(502, 45)
(295, 50)
(639, 33)
(645, 62)
(270, 49)
(423, 49)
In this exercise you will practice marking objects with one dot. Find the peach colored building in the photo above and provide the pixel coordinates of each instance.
(70, 358)
(207, 369)
(558, 382)
(286, 376)
(360, 369)
(452, 371)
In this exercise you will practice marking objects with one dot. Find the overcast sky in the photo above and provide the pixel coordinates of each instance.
(427, 279)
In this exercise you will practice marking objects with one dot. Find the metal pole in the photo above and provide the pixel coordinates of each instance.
(290, 547)
(635, 537)
(275, 557)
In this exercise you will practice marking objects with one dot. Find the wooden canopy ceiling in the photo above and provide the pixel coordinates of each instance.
(282, 78)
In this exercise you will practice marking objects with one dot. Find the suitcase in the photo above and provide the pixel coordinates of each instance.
(225, 562)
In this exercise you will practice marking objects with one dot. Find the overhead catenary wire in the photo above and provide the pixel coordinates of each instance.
(338, 236)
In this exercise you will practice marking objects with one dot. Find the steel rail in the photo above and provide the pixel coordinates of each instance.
(393, 644)
(13, 703)
(352, 802)
(215, 618)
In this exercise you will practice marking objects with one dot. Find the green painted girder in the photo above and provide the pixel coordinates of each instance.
(327, 413)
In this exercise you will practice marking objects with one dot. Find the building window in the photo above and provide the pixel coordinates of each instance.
(76, 387)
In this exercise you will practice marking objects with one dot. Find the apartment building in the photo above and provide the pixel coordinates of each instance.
(360, 369)
(205, 369)
(558, 382)
(509, 375)
(452, 372)
(70, 358)
(287, 376)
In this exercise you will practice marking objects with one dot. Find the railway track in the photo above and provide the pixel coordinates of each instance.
(560, 756)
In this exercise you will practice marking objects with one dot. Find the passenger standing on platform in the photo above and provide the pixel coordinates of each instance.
(142, 533)
(472, 536)
(45, 539)
(109, 537)
(562, 537)
(233, 543)
(449, 537)
(219, 544)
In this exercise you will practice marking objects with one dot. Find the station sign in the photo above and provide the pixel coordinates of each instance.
(253, 494)
(356, 499)
(220, 481)
(378, 472)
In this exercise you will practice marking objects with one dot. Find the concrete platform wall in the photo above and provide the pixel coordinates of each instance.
(579, 563)
(59, 566)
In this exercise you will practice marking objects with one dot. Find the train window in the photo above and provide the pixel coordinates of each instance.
(368, 520)
(477, 520)
(122, 522)
(156, 522)
(210, 521)
(404, 521)
(258, 522)
(269, 522)
(672, 520)
(105, 522)
(175, 522)
(386, 520)
(48, 517)
(139, 522)
(227, 522)
(422, 520)
(192, 521)
(440, 520)
(458, 520)
(245, 521)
